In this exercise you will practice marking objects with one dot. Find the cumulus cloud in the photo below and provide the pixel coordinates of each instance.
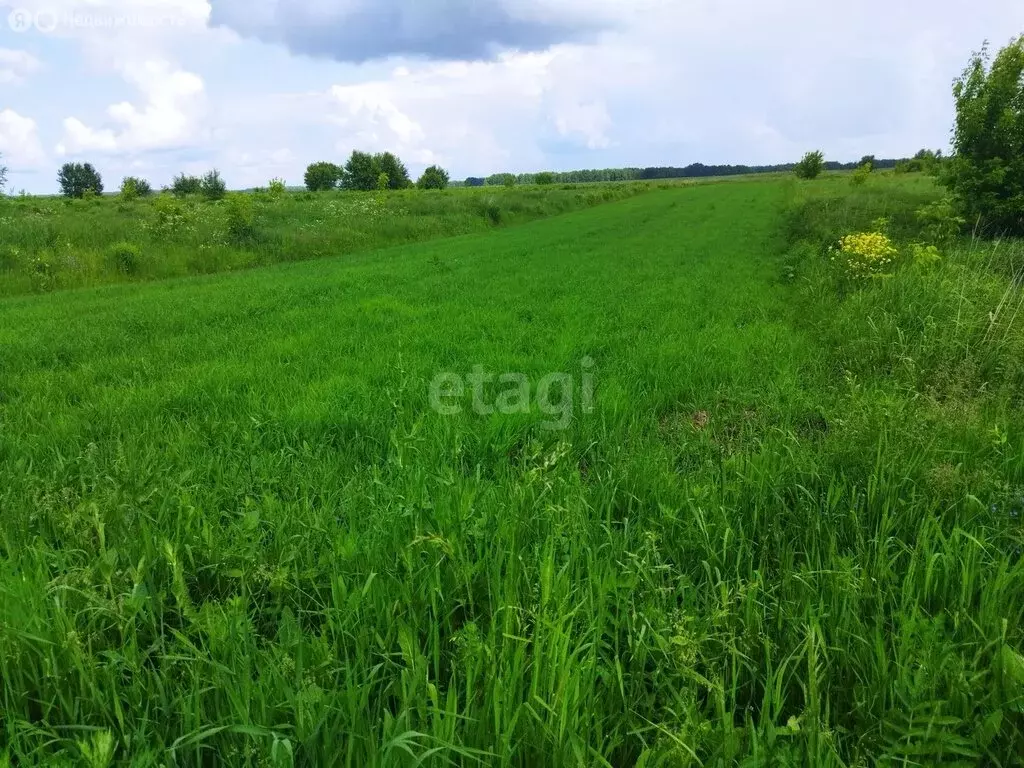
(19, 141)
(361, 30)
(16, 66)
(167, 119)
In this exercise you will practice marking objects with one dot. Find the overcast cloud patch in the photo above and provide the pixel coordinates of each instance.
(361, 30)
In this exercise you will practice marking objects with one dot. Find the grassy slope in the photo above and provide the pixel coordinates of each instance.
(49, 243)
(232, 520)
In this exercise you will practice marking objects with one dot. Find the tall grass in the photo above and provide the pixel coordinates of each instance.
(48, 243)
(236, 533)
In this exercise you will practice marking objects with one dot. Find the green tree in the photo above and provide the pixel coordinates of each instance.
(811, 166)
(3, 176)
(322, 176)
(986, 171)
(361, 172)
(544, 178)
(398, 174)
(867, 160)
(133, 187)
(435, 177)
(213, 186)
(76, 179)
(183, 185)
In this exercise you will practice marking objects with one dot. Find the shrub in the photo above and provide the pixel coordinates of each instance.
(544, 178)
(183, 185)
(172, 219)
(925, 255)
(241, 220)
(125, 258)
(811, 166)
(986, 173)
(213, 186)
(10, 258)
(865, 254)
(277, 188)
(434, 177)
(133, 188)
(939, 221)
(322, 176)
(861, 175)
(76, 179)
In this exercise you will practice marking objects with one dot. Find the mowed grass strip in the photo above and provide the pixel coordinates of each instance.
(235, 530)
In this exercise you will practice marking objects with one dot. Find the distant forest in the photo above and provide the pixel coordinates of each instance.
(695, 171)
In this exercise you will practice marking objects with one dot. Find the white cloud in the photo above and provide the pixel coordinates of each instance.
(168, 118)
(19, 141)
(16, 66)
(660, 82)
(590, 121)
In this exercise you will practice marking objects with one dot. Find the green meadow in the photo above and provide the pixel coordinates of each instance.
(59, 243)
(768, 514)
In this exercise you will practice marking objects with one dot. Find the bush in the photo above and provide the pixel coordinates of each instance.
(861, 175)
(434, 177)
(133, 188)
(213, 186)
(322, 176)
(986, 173)
(544, 178)
(241, 220)
(865, 254)
(172, 219)
(939, 221)
(277, 188)
(125, 258)
(811, 166)
(76, 179)
(183, 185)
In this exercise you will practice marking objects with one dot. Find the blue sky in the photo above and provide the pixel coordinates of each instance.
(261, 88)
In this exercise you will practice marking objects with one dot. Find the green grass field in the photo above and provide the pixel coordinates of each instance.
(53, 243)
(785, 529)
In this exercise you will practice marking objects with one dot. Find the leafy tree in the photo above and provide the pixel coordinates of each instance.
(3, 176)
(867, 160)
(361, 172)
(502, 179)
(475, 181)
(186, 185)
(544, 179)
(277, 188)
(322, 176)
(811, 166)
(398, 174)
(213, 186)
(76, 179)
(435, 177)
(133, 187)
(986, 172)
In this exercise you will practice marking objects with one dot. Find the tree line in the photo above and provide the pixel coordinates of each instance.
(366, 172)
